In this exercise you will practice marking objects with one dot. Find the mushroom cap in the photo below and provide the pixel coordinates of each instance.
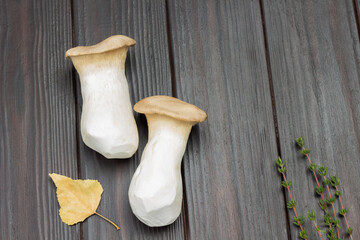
(171, 107)
(109, 44)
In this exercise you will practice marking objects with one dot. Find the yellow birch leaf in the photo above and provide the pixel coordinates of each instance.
(78, 199)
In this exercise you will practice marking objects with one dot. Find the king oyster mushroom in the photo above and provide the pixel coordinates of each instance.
(107, 121)
(155, 191)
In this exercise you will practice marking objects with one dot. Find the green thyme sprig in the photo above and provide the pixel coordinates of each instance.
(298, 220)
(303, 234)
(291, 204)
(312, 218)
(300, 141)
(323, 205)
(335, 182)
(312, 167)
(331, 200)
(331, 234)
(328, 219)
(322, 171)
(330, 216)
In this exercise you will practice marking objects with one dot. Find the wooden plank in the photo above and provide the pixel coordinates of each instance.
(232, 186)
(37, 120)
(148, 73)
(314, 52)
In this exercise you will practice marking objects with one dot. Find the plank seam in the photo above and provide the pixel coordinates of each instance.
(75, 89)
(357, 20)
(170, 50)
(357, 17)
(273, 104)
(174, 94)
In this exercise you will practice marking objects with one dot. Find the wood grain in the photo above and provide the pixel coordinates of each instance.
(219, 60)
(37, 120)
(148, 73)
(314, 54)
(232, 186)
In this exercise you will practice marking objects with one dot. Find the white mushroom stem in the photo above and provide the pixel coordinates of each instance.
(155, 192)
(107, 122)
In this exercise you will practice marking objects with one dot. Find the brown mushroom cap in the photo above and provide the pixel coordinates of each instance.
(171, 107)
(111, 43)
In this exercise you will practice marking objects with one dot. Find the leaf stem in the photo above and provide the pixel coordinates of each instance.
(316, 227)
(291, 198)
(322, 197)
(333, 207)
(117, 228)
(314, 172)
(342, 207)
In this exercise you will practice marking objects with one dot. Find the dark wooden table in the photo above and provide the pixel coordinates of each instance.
(265, 71)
